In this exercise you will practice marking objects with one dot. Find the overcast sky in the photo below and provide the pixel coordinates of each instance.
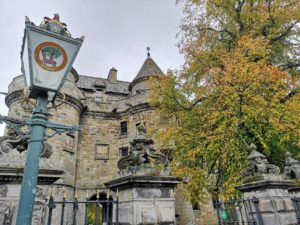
(116, 32)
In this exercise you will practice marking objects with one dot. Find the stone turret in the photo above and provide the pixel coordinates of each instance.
(149, 69)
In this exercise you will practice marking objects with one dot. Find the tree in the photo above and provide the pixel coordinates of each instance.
(52, 52)
(239, 85)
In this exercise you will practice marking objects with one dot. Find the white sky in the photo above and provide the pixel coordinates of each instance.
(116, 32)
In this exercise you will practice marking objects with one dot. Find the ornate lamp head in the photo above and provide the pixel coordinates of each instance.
(48, 52)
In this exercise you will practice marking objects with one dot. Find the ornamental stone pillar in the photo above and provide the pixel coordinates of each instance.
(262, 181)
(145, 188)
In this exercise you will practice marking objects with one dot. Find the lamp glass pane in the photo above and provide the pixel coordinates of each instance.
(51, 58)
(25, 63)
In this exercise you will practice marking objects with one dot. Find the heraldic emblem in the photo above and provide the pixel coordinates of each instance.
(50, 56)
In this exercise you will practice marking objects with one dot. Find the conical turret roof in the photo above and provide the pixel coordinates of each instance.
(149, 69)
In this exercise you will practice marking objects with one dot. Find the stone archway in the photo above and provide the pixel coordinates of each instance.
(102, 209)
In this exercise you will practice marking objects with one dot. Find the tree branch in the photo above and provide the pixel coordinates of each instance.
(289, 95)
(290, 65)
(187, 108)
(285, 33)
(238, 11)
(231, 34)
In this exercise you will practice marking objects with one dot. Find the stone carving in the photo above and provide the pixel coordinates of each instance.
(47, 150)
(259, 165)
(147, 216)
(141, 153)
(5, 213)
(55, 25)
(11, 141)
(39, 213)
(3, 191)
(292, 167)
(14, 140)
(40, 206)
(153, 193)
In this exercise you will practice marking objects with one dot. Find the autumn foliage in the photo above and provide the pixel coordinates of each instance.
(239, 85)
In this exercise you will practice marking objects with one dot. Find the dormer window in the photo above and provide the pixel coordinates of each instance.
(99, 84)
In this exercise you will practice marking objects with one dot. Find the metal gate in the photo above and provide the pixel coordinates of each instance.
(109, 209)
(242, 211)
(296, 202)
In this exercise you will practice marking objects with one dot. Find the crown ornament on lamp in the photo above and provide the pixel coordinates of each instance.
(48, 52)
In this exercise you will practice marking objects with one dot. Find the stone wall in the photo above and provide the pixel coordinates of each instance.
(92, 172)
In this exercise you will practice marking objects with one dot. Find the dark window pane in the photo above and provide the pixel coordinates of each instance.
(123, 151)
(124, 127)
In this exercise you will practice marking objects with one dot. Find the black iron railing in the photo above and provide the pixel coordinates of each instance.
(296, 202)
(109, 210)
(241, 211)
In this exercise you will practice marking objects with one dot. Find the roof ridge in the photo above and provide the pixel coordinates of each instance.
(102, 78)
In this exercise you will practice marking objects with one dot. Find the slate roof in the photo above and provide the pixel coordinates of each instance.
(149, 68)
(88, 83)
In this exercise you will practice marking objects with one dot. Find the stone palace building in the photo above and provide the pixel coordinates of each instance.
(109, 111)
(108, 160)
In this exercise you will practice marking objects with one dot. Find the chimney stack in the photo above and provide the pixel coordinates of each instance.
(112, 76)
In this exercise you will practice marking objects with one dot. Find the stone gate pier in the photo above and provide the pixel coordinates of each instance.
(273, 193)
(145, 199)
(144, 187)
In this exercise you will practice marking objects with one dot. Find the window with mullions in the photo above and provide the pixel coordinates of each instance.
(124, 151)
(123, 127)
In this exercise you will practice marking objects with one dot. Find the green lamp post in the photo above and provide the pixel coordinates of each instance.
(48, 52)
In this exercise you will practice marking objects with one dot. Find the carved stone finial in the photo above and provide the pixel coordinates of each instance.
(82, 38)
(55, 25)
(141, 154)
(141, 130)
(148, 52)
(252, 146)
(27, 20)
(259, 165)
(291, 167)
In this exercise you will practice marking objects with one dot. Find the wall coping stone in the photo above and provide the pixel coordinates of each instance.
(296, 187)
(143, 181)
(265, 184)
(14, 175)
